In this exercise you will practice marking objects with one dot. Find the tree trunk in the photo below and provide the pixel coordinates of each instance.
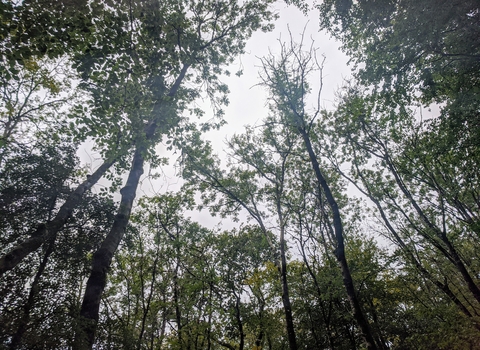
(176, 297)
(23, 326)
(45, 232)
(340, 250)
(239, 321)
(442, 286)
(292, 340)
(102, 258)
(146, 307)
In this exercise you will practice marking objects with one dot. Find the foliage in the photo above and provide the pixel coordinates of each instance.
(34, 179)
(182, 284)
(39, 298)
(403, 43)
(307, 255)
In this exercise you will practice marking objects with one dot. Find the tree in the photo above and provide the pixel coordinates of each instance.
(159, 276)
(407, 45)
(39, 297)
(286, 81)
(407, 55)
(37, 95)
(207, 35)
(47, 230)
(256, 183)
(393, 166)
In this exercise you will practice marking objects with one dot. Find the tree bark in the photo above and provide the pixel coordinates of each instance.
(27, 309)
(146, 307)
(239, 321)
(85, 335)
(45, 232)
(102, 258)
(340, 250)
(287, 306)
(89, 312)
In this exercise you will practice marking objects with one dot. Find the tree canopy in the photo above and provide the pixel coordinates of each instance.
(352, 227)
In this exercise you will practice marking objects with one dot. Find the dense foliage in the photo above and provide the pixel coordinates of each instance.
(354, 228)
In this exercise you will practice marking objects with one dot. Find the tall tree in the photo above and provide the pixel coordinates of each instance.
(274, 175)
(407, 172)
(172, 38)
(286, 80)
(408, 55)
(255, 182)
(38, 94)
(47, 230)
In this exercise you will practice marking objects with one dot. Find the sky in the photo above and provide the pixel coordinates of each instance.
(247, 100)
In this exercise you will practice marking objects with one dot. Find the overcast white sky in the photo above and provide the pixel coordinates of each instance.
(247, 101)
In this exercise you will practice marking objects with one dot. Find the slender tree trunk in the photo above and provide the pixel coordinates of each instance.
(461, 268)
(292, 340)
(452, 252)
(146, 308)
(287, 306)
(281, 263)
(239, 322)
(210, 315)
(442, 286)
(103, 257)
(261, 305)
(319, 294)
(22, 328)
(258, 341)
(45, 232)
(340, 250)
(178, 312)
(89, 312)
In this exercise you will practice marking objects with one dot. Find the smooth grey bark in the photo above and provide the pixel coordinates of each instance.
(102, 258)
(45, 232)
